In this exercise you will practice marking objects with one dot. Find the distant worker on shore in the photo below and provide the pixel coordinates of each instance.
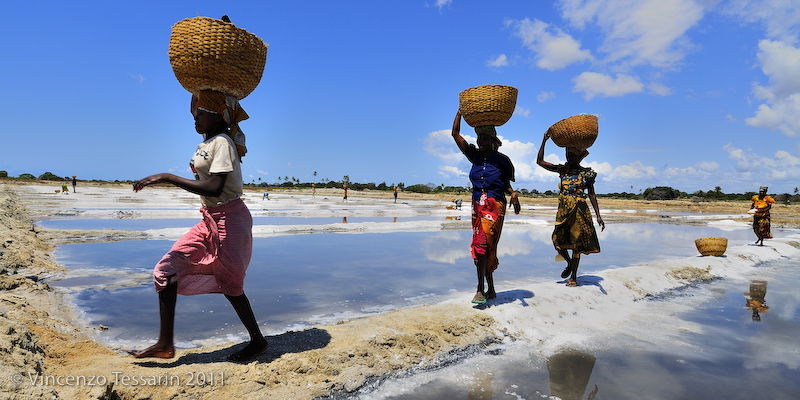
(64, 188)
(491, 176)
(265, 196)
(395, 194)
(313, 190)
(345, 191)
(213, 256)
(458, 202)
(74, 183)
(574, 228)
(762, 203)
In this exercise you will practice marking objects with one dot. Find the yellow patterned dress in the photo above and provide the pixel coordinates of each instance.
(574, 228)
(761, 219)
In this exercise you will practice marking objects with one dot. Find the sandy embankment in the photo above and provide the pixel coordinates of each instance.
(44, 337)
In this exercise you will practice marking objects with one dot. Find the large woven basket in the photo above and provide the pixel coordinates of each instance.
(711, 246)
(578, 131)
(208, 53)
(488, 104)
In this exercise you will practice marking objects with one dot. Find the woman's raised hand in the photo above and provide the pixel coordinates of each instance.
(457, 122)
(150, 180)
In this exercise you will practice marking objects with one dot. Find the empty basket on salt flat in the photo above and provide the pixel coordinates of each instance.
(579, 131)
(207, 53)
(711, 246)
(487, 104)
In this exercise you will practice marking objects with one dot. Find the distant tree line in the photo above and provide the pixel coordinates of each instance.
(651, 193)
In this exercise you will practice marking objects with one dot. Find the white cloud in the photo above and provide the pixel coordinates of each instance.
(658, 89)
(781, 166)
(449, 171)
(625, 172)
(262, 172)
(593, 84)
(525, 112)
(544, 96)
(554, 49)
(500, 61)
(440, 144)
(702, 169)
(781, 17)
(138, 78)
(780, 62)
(638, 32)
(442, 3)
(783, 115)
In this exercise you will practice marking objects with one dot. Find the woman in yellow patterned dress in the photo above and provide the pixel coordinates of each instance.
(762, 203)
(574, 229)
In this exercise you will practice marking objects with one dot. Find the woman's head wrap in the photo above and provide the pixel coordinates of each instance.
(228, 107)
(763, 189)
(580, 153)
(489, 131)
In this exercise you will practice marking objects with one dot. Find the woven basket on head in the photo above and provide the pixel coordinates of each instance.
(208, 53)
(578, 131)
(488, 104)
(711, 246)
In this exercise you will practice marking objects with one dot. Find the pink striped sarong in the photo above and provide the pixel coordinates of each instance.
(213, 256)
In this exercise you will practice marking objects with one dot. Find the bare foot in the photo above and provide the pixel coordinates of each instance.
(155, 351)
(252, 349)
(572, 283)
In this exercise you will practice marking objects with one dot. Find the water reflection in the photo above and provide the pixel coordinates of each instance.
(570, 371)
(481, 387)
(344, 220)
(755, 298)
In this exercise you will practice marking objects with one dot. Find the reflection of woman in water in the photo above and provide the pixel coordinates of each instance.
(491, 176)
(569, 373)
(213, 256)
(762, 203)
(574, 229)
(756, 298)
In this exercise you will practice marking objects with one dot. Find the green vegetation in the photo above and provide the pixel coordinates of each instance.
(26, 176)
(3, 174)
(49, 176)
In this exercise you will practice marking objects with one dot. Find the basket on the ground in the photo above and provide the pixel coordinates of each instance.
(578, 131)
(487, 104)
(207, 53)
(711, 246)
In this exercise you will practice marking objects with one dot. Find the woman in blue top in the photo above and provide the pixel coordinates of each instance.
(491, 176)
(574, 229)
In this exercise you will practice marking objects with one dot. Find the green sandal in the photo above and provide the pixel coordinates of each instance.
(479, 298)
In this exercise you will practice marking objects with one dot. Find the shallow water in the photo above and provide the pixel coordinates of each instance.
(300, 280)
(140, 224)
(734, 356)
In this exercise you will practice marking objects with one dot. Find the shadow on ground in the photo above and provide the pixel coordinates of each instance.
(288, 342)
(508, 296)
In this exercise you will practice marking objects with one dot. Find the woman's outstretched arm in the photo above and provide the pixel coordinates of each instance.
(211, 187)
(540, 157)
(593, 199)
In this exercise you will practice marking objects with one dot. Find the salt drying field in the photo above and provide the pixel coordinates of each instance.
(651, 319)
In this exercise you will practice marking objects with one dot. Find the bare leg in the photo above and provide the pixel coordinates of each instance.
(490, 294)
(480, 265)
(565, 273)
(165, 346)
(257, 343)
(576, 259)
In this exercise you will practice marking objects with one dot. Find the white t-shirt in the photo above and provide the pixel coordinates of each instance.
(214, 156)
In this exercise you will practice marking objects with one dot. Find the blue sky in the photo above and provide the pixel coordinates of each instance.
(690, 93)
